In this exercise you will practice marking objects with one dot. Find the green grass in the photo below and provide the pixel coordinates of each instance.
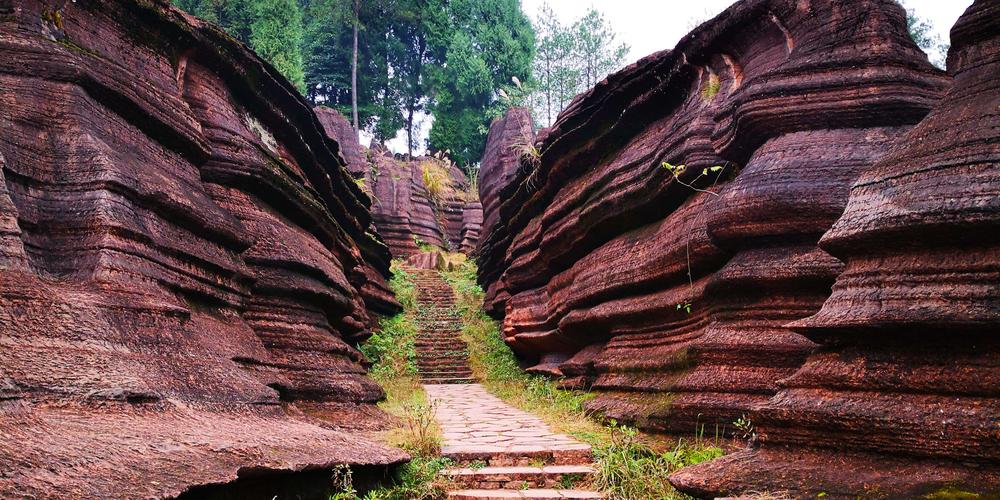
(629, 467)
(393, 355)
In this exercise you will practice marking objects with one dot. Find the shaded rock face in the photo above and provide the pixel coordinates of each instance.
(376, 254)
(182, 261)
(670, 296)
(905, 384)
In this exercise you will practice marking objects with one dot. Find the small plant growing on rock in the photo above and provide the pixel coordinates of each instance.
(677, 170)
(711, 88)
(436, 181)
(746, 429)
(685, 306)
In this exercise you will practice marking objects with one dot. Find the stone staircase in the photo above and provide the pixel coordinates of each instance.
(501, 452)
(442, 356)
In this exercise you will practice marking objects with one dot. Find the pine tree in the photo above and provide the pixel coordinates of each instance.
(570, 60)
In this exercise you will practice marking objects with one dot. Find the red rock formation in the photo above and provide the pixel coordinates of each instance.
(406, 213)
(182, 261)
(905, 386)
(505, 145)
(602, 251)
(376, 293)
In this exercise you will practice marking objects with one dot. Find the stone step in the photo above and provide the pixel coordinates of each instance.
(429, 366)
(518, 478)
(448, 380)
(520, 456)
(538, 494)
(437, 377)
(442, 346)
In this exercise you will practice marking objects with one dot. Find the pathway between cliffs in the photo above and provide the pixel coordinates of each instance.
(500, 452)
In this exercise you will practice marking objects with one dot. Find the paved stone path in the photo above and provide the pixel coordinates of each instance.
(503, 452)
(499, 451)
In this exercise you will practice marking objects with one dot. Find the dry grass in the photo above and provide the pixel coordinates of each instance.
(437, 180)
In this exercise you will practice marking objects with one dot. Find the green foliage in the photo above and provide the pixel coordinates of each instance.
(273, 28)
(628, 469)
(491, 41)
(414, 481)
(571, 59)
(712, 87)
(952, 493)
(492, 360)
(922, 32)
(276, 34)
(392, 349)
(436, 180)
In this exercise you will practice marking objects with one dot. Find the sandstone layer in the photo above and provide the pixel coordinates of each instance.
(410, 214)
(185, 265)
(669, 294)
(905, 386)
(446, 215)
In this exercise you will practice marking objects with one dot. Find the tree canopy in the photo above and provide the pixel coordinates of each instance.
(446, 57)
(570, 59)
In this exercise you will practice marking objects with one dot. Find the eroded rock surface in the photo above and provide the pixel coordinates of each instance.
(183, 261)
(406, 211)
(409, 214)
(670, 296)
(906, 383)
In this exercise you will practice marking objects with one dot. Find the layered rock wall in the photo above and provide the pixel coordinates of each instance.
(185, 267)
(670, 295)
(409, 214)
(405, 210)
(905, 385)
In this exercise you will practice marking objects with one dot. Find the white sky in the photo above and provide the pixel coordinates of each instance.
(648, 26)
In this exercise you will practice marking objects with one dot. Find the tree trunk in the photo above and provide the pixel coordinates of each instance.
(409, 130)
(354, 67)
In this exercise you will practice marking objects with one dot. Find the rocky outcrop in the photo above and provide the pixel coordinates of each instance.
(406, 211)
(409, 213)
(182, 262)
(668, 290)
(905, 385)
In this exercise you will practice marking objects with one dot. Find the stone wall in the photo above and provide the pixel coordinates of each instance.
(185, 266)
(682, 300)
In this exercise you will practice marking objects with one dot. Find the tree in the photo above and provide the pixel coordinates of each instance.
(492, 41)
(922, 32)
(421, 28)
(354, 67)
(276, 35)
(570, 60)
(554, 73)
(595, 52)
(272, 28)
